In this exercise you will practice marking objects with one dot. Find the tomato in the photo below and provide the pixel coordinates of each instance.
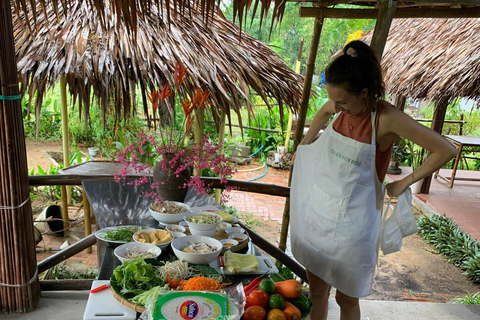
(258, 298)
(276, 314)
(267, 285)
(254, 313)
(276, 301)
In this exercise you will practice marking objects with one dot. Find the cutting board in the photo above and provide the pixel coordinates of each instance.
(103, 306)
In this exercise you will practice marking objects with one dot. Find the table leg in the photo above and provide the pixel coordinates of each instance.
(86, 218)
(455, 166)
(66, 223)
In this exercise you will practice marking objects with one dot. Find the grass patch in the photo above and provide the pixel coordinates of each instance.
(469, 299)
(454, 244)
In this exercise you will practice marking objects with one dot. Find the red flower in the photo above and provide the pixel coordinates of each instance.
(179, 74)
(166, 92)
(153, 97)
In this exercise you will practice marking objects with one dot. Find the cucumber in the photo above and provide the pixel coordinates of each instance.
(302, 302)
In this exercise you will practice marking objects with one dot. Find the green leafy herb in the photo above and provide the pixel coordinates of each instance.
(136, 276)
(121, 234)
(206, 271)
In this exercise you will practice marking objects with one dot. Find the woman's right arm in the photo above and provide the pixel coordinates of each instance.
(319, 122)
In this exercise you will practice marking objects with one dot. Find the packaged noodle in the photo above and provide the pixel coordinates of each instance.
(195, 305)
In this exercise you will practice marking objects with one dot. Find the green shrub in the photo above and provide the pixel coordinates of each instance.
(469, 299)
(450, 241)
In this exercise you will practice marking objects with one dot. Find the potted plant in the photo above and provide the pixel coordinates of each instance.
(165, 160)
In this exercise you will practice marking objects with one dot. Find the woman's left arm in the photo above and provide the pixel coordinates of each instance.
(395, 122)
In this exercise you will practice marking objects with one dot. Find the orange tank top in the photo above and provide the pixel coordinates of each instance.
(361, 130)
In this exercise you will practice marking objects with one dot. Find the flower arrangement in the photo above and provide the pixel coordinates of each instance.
(141, 153)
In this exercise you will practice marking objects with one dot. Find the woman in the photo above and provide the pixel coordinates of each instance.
(337, 193)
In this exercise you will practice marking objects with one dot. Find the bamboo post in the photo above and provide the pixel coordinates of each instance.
(87, 218)
(221, 138)
(317, 30)
(65, 190)
(437, 125)
(386, 11)
(19, 286)
(200, 125)
(290, 114)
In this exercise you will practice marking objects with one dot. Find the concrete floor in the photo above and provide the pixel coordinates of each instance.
(71, 305)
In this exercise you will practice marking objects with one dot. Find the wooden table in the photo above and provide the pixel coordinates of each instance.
(463, 144)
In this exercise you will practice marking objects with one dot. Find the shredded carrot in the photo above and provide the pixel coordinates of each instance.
(201, 284)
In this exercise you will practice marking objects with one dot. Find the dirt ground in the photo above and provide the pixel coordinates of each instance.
(414, 273)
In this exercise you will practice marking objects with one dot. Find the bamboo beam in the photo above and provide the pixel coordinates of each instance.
(66, 253)
(276, 253)
(19, 288)
(255, 187)
(437, 125)
(66, 285)
(87, 221)
(65, 140)
(317, 30)
(382, 26)
(308, 12)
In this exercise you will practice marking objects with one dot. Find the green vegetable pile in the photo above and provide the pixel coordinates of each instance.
(143, 298)
(457, 246)
(121, 234)
(136, 276)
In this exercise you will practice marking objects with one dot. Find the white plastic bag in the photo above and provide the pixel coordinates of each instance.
(399, 225)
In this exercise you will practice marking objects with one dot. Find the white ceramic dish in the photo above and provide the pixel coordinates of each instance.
(121, 251)
(175, 228)
(179, 244)
(161, 245)
(203, 226)
(183, 224)
(228, 243)
(207, 233)
(166, 218)
(236, 236)
(233, 230)
(100, 234)
(222, 226)
(178, 234)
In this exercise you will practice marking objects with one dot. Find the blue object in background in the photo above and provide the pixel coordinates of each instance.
(322, 77)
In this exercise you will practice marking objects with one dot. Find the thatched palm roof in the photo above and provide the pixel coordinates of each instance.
(432, 59)
(111, 62)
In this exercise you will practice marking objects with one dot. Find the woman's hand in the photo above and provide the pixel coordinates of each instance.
(396, 188)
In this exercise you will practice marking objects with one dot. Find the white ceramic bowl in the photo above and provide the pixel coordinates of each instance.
(178, 234)
(228, 243)
(207, 233)
(196, 258)
(166, 218)
(121, 251)
(222, 226)
(236, 236)
(183, 224)
(202, 226)
(175, 228)
(234, 230)
(161, 245)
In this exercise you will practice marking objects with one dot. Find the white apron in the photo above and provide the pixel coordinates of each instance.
(335, 210)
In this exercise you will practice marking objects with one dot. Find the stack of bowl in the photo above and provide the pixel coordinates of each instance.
(203, 223)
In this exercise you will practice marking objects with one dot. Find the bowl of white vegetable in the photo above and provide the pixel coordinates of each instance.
(168, 211)
(133, 250)
(202, 221)
(197, 249)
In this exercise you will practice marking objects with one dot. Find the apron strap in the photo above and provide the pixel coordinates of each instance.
(374, 133)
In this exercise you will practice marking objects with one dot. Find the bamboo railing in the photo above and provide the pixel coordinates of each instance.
(69, 179)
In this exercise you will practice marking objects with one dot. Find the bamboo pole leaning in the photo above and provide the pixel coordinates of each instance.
(19, 287)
